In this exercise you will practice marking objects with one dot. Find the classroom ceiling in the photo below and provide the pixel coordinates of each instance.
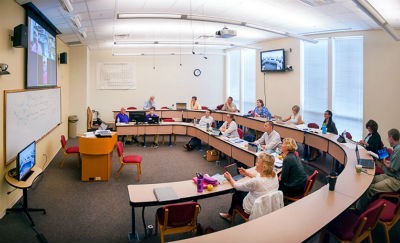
(298, 18)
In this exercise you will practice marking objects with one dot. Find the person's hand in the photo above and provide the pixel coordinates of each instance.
(256, 115)
(263, 147)
(223, 129)
(386, 163)
(242, 171)
(228, 176)
(280, 177)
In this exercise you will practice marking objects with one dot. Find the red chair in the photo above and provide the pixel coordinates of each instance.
(68, 150)
(348, 135)
(204, 107)
(128, 159)
(177, 218)
(307, 189)
(350, 227)
(164, 108)
(219, 107)
(313, 125)
(168, 120)
(131, 108)
(391, 213)
(241, 134)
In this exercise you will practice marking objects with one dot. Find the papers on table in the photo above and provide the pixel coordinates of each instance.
(89, 135)
(220, 178)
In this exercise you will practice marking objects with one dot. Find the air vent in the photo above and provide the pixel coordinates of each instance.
(121, 36)
(317, 3)
(73, 43)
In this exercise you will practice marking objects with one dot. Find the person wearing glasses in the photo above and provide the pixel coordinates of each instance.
(229, 128)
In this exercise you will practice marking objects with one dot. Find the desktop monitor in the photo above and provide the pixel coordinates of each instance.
(137, 116)
(26, 159)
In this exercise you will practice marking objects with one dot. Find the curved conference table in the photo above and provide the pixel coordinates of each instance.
(293, 223)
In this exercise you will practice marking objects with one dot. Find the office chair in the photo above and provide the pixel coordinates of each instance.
(68, 150)
(241, 134)
(263, 205)
(204, 107)
(350, 227)
(177, 218)
(391, 213)
(167, 120)
(348, 135)
(128, 159)
(131, 108)
(219, 107)
(307, 189)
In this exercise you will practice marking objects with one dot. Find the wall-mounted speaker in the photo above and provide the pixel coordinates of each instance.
(20, 38)
(63, 58)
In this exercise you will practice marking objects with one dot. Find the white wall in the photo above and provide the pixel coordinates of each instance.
(168, 82)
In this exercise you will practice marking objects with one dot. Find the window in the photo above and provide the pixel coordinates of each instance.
(241, 78)
(333, 79)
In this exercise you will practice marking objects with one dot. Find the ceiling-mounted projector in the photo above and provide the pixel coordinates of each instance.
(225, 33)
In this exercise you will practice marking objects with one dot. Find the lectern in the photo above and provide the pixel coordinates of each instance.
(96, 155)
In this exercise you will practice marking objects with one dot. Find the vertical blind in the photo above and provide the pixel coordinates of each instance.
(333, 79)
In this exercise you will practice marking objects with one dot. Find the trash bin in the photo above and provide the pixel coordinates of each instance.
(72, 126)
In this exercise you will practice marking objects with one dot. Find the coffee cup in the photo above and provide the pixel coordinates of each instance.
(358, 168)
(332, 181)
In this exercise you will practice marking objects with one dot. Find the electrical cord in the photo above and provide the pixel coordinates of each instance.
(265, 90)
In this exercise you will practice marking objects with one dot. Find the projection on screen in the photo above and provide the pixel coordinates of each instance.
(41, 56)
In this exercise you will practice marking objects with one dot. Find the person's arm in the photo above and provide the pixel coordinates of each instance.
(232, 127)
(374, 143)
(287, 119)
(244, 172)
(146, 105)
(261, 140)
(265, 113)
(300, 120)
(223, 127)
(117, 117)
(286, 164)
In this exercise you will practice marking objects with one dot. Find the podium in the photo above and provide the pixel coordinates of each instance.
(96, 155)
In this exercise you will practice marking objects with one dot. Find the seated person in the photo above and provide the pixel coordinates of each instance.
(262, 182)
(293, 178)
(229, 127)
(372, 142)
(229, 105)
(330, 127)
(122, 116)
(270, 140)
(390, 180)
(149, 103)
(261, 110)
(194, 104)
(295, 118)
(151, 114)
(206, 120)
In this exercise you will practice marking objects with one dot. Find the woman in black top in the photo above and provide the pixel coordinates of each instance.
(330, 125)
(293, 178)
(372, 142)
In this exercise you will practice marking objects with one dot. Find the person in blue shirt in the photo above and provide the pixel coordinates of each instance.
(261, 110)
(122, 117)
(149, 103)
(152, 115)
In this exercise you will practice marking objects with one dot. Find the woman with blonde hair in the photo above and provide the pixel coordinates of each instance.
(293, 178)
(295, 118)
(261, 182)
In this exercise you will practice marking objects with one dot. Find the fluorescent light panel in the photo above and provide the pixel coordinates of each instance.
(67, 6)
(76, 21)
(167, 54)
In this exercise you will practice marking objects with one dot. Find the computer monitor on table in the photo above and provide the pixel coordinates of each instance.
(137, 116)
(26, 160)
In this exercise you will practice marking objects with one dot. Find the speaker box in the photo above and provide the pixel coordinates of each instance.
(63, 58)
(20, 38)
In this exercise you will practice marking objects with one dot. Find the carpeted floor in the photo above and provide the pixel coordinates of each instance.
(83, 212)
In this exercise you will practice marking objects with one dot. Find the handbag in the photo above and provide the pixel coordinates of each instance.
(212, 155)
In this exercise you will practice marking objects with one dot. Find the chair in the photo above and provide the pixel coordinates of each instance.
(68, 150)
(313, 125)
(177, 218)
(168, 120)
(204, 107)
(263, 205)
(391, 213)
(348, 135)
(240, 131)
(128, 159)
(307, 189)
(350, 227)
(219, 107)
(131, 108)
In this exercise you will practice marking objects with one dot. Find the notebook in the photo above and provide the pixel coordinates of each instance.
(233, 170)
(180, 106)
(366, 163)
(165, 194)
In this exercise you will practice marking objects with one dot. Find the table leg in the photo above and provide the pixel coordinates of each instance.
(144, 223)
(170, 140)
(133, 235)
(144, 141)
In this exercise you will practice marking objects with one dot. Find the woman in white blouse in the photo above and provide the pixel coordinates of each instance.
(262, 182)
(229, 128)
(295, 118)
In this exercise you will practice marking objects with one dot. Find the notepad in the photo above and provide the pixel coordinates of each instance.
(165, 194)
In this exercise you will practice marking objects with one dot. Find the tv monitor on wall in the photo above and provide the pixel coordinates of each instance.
(272, 60)
(41, 52)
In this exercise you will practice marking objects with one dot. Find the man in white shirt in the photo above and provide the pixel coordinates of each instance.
(271, 139)
(149, 103)
(195, 142)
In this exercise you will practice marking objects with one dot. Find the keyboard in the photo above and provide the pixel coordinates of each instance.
(103, 133)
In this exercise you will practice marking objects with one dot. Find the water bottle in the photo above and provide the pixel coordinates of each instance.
(200, 184)
(323, 128)
(208, 126)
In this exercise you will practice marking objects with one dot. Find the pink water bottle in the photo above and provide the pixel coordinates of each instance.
(199, 182)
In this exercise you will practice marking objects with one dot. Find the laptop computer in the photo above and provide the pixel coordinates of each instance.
(365, 163)
(215, 132)
(233, 170)
(252, 147)
(278, 119)
(180, 106)
(153, 120)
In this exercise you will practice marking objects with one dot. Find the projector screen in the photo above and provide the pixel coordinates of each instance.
(41, 56)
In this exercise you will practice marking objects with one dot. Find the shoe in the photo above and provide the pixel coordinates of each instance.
(225, 216)
(154, 145)
(186, 147)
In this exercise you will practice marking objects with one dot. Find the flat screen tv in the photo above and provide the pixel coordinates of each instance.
(137, 116)
(272, 60)
(26, 159)
(41, 58)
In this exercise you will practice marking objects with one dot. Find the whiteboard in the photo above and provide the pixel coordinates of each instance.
(29, 116)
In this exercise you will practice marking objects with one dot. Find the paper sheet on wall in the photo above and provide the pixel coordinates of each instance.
(116, 75)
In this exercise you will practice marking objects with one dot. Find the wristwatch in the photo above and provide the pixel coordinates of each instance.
(197, 72)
